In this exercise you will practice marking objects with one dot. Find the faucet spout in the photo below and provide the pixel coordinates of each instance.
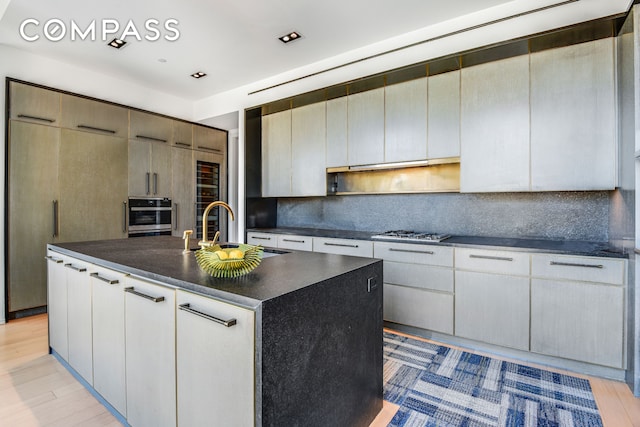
(204, 242)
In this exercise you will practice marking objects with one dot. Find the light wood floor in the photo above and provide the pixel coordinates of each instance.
(35, 390)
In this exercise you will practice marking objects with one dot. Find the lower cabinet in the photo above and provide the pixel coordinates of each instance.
(57, 304)
(215, 362)
(79, 326)
(419, 308)
(151, 354)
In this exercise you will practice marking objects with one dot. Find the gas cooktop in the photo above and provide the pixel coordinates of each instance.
(405, 235)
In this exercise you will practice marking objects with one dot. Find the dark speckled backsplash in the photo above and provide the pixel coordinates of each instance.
(561, 215)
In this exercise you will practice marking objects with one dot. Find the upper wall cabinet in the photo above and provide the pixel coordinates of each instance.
(182, 134)
(495, 126)
(208, 139)
(33, 104)
(276, 154)
(308, 136)
(337, 128)
(366, 127)
(443, 106)
(94, 116)
(405, 130)
(573, 119)
(150, 127)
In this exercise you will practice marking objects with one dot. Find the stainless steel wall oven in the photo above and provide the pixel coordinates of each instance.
(150, 217)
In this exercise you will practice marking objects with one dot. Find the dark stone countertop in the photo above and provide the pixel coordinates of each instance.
(565, 247)
(161, 259)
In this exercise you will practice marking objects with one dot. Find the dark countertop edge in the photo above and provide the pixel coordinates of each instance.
(560, 247)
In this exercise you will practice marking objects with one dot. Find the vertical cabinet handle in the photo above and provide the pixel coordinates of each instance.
(155, 183)
(124, 216)
(55, 218)
(131, 290)
(175, 219)
(148, 183)
(187, 307)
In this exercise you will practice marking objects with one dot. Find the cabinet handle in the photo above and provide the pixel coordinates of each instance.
(149, 297)
(495, 258)
(202, 147)
(341, 245)
(183, 144)
(293, 241)
(151, 138)
(148, 183)
(78, 269)
(175, 222)
(104, 279)
(95, 128)
(261, 238)
(413, 251)
(124, 217)
(52, 259)
(55, 218)
(155, 183)
(187, 307)
(42, 119)
(572, 264)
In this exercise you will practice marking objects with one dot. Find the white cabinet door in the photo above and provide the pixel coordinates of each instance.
(108, 336)
(57, 304)
(492, 308)
(366, 127)
(276, 154)
(308, 153)
(573, 118)
(405, 127)
(443, 137)
(263, 239)
(215, 362)
(337, 130)
(418, 308)
(578, 320)
(151, 354)
(79, 318)
(299, 243)
(494, 150)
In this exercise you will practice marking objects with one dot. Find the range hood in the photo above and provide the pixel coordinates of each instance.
(424, 176)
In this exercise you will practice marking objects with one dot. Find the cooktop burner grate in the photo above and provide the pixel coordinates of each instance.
(398, 235)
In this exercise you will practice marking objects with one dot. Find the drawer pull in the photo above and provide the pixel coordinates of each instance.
(42, 119)
(149, 297)
(202, 147)
(78, 269)
(412, 251)
(495, 258)
(573, 264)
(187, 307)
(95, 128)
(261, 238)
(293, 240)
(151, 138)
(342, 245)
(52, 259)
(104, 279)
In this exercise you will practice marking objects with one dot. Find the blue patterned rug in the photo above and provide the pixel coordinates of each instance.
(440, 386)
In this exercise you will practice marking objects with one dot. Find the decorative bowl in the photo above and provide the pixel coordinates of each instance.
(229, 262)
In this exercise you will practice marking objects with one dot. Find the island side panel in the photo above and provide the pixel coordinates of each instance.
(322, 353)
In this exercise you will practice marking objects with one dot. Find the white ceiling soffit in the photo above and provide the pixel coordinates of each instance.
(236, 43)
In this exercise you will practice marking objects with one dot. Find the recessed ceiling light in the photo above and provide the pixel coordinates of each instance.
(294, 35)
(198, 75)
(117, 43)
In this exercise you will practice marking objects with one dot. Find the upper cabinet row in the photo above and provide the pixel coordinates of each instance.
(539, 122)
(52, 108)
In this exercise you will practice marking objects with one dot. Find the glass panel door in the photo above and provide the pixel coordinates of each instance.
(207, 191)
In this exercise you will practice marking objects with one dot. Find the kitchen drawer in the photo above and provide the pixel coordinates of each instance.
(300, 243)
(418, 308)
(418, 276)
(150, 127)
(501, 262)
(584, 269)
(415, 254)
(264, 239)
(361, 248)
(88, 115)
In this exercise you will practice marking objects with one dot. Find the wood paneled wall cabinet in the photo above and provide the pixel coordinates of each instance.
(73, 162)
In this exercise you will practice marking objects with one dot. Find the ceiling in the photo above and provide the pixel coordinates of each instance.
(234, 42)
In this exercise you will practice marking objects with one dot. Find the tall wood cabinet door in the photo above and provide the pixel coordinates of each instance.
(150, 342)
(139, 168)
(494, 147)
(337, 129)
(405, 130)
(215, 363)
(33, 104)
(577, 320)
(276, 154)
(161, 173)
(492, 308)
(366, 127)
(87, 115)
(208, 139)
(308, 150)
(183, 191)
(108, 336)
(57, 304)
(443, 136)
(79, 318)
(33, 188)
(93, 186)
(573, 117)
